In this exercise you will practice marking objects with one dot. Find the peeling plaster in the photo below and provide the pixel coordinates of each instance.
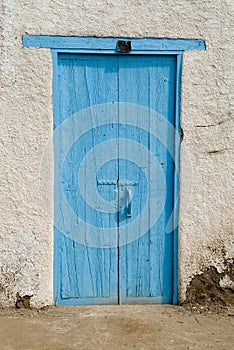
(206, 226)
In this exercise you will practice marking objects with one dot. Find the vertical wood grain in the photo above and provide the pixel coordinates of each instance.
(87, 273)
(140, 271)
(146, 264)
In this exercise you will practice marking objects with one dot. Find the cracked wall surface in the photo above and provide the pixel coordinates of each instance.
(206, 216)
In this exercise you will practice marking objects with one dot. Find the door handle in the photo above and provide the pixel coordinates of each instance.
(129, 201)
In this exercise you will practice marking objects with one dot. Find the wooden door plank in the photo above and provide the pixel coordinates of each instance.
(87, 273)
(146, 263)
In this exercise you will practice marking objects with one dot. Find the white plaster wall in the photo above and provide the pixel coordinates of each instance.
(206, 228)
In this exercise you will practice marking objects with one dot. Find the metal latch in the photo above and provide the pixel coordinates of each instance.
(129, 201)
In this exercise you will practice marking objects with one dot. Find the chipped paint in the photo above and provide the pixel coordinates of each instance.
(206, 229)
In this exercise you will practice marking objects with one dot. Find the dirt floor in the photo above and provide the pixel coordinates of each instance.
(116, 327)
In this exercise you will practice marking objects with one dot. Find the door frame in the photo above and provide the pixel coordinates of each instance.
(107, 45)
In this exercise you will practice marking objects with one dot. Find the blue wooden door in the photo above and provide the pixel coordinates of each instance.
(114, 179)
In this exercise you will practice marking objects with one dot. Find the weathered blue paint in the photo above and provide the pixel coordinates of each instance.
(141, 271)
(56, 262)
(176, 181)
(87, 274)
(145, 265)
(131, 279)
(103, 44)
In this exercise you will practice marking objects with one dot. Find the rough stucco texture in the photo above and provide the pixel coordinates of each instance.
(206, 229)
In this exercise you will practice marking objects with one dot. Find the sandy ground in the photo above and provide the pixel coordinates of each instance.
(115, 327)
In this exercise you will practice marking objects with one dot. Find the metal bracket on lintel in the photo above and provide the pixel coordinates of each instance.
(124, 46)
